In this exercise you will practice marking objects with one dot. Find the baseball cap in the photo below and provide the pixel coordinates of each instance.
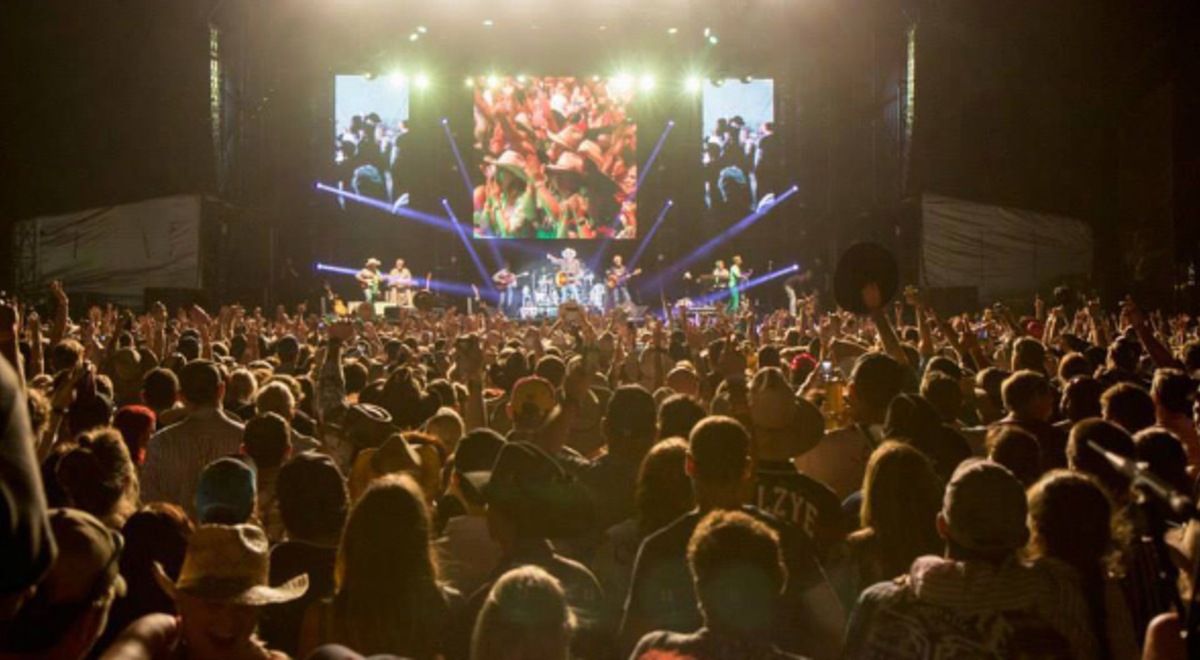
(226, 492)
(985, 507)
(88, 557)
(532, 395)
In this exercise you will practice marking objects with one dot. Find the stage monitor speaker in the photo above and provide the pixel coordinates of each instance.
(953, 299)
(174, 297)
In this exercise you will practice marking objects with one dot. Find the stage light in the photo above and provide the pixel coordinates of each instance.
(398, 79)
(487, 22)
(713, 40)
(707, 31)
(469, 83)
(621, 82)
(595, 78)
(421, 29)
(521, 78)
(445, 121)
(422, 81)
(493, 81)
(647, 83)
(414, 36)
(693, 84)
(672, 30)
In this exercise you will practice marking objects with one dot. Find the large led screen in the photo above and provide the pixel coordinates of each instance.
(555, 158)
(371, 140)
(742, 162)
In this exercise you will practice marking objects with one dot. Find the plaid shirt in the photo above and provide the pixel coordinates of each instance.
(177, 454)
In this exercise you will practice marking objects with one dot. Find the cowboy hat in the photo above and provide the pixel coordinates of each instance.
(373, 262)
(568, 163)
(863, 264)
(568, 138)
(568, 253)
(229, 563)
(511, 161)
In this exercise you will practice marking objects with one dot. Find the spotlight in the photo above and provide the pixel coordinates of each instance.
(672, 30)
(469, 83)
(493, 81)
(422, 81)
(445, 121)
(487, 22)
(421, 29)
(796, 188)
(521, 78)
(595, 78)
(707, 31)
(713, 40)
(670, 122)
(670, 202)
(398, 79)
(414, 36)
(647, 83)
(693, 84)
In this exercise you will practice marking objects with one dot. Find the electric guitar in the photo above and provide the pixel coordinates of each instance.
(503, 282)
(565, 279)
(617, 280)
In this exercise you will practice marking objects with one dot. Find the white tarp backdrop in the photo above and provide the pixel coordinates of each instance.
(119, 251)
(1003, 251)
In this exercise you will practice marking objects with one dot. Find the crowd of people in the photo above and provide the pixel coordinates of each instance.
(743, 167)
(819, 484)
(369, 158)
(559, 159)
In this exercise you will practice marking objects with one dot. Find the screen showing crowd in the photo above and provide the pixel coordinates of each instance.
(742, 158)
(556, 158)
(371, 138)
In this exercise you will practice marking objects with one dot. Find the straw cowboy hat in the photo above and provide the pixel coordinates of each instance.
(373, 262)
(568, 163)
(568, 138)
(229, 563)
(511, 161)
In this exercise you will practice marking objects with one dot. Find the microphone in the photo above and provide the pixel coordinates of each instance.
(1137, 473)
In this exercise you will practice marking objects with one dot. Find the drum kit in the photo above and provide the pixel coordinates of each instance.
(548, 290)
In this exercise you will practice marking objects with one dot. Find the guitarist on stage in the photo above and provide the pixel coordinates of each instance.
(569, 271)
(618, 279)
(505, 282)
(370, 279)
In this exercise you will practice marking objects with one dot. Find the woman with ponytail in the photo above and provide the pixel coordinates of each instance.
(1077, 539)
(98, 476)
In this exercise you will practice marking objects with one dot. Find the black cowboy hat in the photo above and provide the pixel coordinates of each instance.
(862, 264)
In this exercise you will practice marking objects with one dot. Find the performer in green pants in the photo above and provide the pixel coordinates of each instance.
(735, 280)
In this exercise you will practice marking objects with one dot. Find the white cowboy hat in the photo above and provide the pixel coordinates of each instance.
(568, 138)
(568, 163)
(373, 262)
(511, 161)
